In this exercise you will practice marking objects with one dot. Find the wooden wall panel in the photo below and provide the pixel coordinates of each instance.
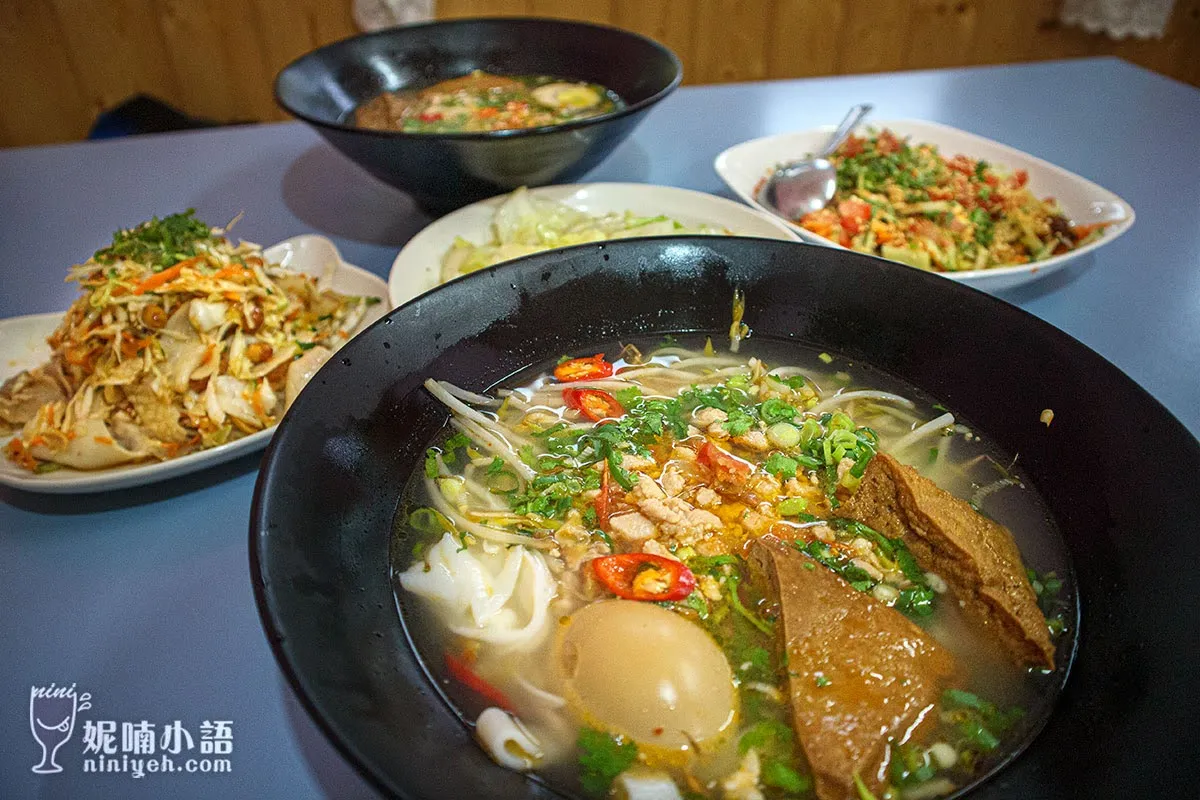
(63, 61)
(731, 42)
(40, 95)
(807, 37)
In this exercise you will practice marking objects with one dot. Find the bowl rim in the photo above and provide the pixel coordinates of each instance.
(500, 135)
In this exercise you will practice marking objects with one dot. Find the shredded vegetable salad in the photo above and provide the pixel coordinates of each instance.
(908, 203)
(526, 224)
(180, 341)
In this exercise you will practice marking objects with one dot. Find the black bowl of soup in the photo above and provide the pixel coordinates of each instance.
(907, 536)
(455, 111)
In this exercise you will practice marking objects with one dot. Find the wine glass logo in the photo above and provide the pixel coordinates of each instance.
(52, 711)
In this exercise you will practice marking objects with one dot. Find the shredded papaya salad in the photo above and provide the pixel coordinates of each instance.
(180, 341)
(908, 203)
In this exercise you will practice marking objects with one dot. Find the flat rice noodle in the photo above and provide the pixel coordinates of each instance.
(301, 370)
(24, 393)
(859, 672)
(182, 348)
(93, 446)
(977, 556)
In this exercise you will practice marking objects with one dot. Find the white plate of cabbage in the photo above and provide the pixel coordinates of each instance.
(534, 220)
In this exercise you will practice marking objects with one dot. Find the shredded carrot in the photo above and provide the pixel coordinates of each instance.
(77, 355)
(232, 296)
(17, 452)
(103, 439)
(169, 274)
(235, 272)
(130, 346)
(1081, 231)
(36, 441)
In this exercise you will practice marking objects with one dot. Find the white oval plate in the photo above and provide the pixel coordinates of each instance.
(417, 268)
(744, 165)
(23, 345)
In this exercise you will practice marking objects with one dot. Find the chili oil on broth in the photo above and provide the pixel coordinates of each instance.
(480, 102)
(528, 677)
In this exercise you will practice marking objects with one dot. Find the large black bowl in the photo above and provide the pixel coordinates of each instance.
(445, 171)
(1116, 469)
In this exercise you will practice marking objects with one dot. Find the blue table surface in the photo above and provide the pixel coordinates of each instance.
(143, 598)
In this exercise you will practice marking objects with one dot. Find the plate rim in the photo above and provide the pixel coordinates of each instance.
(1012, 275)
(398, 298)
(126, 476)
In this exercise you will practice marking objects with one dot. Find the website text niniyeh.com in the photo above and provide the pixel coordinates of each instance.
(138, 767)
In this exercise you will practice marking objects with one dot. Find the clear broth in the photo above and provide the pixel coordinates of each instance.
(966, 462)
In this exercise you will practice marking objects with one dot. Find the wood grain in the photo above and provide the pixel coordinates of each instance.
(64, 61)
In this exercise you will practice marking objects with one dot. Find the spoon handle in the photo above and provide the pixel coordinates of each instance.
(853, 117)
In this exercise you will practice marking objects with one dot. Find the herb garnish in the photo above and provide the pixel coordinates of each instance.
(602, 758)
(159, 243)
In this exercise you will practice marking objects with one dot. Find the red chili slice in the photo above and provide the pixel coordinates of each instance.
(726, 466)
(461, 671)
(643, 576)
(583, 369)
(594, 404)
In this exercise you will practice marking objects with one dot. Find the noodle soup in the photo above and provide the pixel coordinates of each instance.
(481, 102)
(673, 572)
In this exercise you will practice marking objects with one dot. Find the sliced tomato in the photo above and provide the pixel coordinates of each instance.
(887, 143)
(583, 369)
(852, 146)
(1020, 178)
(726, 466)
(462, 672)
(595, 404)
(854, 215)
(644, 576)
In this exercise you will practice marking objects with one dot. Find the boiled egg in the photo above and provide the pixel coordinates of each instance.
(641, 671)
(567, 96)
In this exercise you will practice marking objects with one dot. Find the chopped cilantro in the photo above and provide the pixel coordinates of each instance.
(159, 243)
(782, 466)
(794, 382)
(739, 422)
(627, 396)
(602, 758)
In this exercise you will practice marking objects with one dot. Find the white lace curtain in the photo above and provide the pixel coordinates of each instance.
(371, 15)
(1143, 19)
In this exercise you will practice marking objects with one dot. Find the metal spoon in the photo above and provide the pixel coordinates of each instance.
(800, 187)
